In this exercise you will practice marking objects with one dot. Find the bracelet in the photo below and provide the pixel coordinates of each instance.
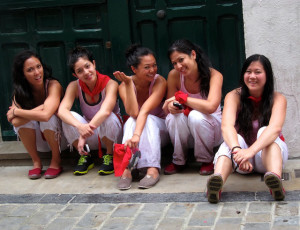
(235, 147)
(136, 135)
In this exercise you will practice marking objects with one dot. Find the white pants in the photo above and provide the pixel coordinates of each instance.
(256, 161)
(110, 128)
(54, 124)
(154, 136)
(199, 131)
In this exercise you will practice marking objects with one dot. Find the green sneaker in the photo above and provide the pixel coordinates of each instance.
(107, 166)
(85, 163)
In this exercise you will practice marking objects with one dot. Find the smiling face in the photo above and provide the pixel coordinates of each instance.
(184, 63)
(85, 70)
(147, 68)
(255, 78)
(33, 71)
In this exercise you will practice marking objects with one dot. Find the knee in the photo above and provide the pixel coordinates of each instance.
(53, 124)
(260, 131)
(197, 118)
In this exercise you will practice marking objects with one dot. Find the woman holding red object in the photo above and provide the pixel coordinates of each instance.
(198, 88)
(252, 121)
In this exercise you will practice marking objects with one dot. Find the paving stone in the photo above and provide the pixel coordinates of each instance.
(142, 227)
(74, 210)
(208, 207)
(12, 223)
(285, 228)
(287, 209)
(180, 210)
(103, 208)
(25, 210)
(260, 207)
(154, 207)
(258, 217)
(198, 228)
(233, 209)
(116, 224)
(52, 207)
(202, 218)
(228, 223)
(62, 224)
(147, 218)
(126, 210)
(41, 218)
(91, 220)
(286, 221)
(7, 208)
(257, 226)
(171, 224)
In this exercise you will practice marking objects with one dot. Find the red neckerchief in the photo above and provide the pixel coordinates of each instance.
(181, 97)
(102, 80)
(256, 100)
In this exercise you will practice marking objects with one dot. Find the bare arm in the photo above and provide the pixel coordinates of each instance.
(127, 94)
(214, 96)
(157, 95)
(42, 112)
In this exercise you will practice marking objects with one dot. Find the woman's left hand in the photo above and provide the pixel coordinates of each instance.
(133, 142)
(240, 156)
(81, 143)
(246, 166)
(10, 113)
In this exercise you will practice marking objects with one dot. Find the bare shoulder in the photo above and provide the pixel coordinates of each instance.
(173, 75)
(160, 80)
(112, 83)
(234, 95)
(54, 83)
(215, 73)
(278, 97)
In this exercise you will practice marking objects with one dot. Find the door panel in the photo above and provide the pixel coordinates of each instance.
(216, 25)
(51, 28)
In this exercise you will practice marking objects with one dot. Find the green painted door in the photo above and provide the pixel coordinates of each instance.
(216, 25)
(52, 28)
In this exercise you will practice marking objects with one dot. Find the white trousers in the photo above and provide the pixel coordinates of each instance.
(256, 161)
(110, 128)
(154, 136)
(199, 131)
(54, 124)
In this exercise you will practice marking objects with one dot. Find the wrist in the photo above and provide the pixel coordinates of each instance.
(235, 147)
(136, 134)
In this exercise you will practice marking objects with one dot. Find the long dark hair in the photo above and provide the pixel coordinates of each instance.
(22, 90)
(134, 53)
(203, 63)
(76, 53)
(245, 115)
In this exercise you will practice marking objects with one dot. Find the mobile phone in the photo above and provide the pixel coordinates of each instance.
(178, 105)
(86, 150)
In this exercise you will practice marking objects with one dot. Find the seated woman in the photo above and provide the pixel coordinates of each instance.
(36, 97)
(142, 95)
(100, 124)
(252, 121)
(197, 122)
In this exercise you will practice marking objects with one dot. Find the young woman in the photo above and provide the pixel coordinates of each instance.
(142, 95)
(36, 98)
(100, 124)
(197, 88)
(252, 121)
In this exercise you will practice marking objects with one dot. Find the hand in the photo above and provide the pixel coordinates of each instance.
(246, 166)
(122, 77)
(86, 130)
(240, 156)
(168, 106)
(81, 143)
(10, 113)
(133, 142)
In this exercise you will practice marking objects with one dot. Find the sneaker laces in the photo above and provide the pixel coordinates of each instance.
(82, 160)
(107, 159)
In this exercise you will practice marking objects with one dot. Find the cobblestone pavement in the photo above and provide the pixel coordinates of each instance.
(61, 212)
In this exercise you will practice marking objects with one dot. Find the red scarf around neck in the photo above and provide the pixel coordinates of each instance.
(102, 80)
(256, 100)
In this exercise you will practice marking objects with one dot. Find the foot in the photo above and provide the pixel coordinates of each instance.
(124, 183)
(214, 187)
(35, 173)
(107, 166)
(273, 181)
(148, 181)
(52, 173)
(207, 169)
(85, 163)
(173, 168)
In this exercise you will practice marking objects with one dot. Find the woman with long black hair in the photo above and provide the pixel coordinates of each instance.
(253, 117)
(36, 98)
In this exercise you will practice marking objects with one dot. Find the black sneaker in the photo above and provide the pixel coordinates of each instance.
(85, 163)
(107, 166)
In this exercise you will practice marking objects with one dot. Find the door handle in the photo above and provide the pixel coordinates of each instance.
(161, 14)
